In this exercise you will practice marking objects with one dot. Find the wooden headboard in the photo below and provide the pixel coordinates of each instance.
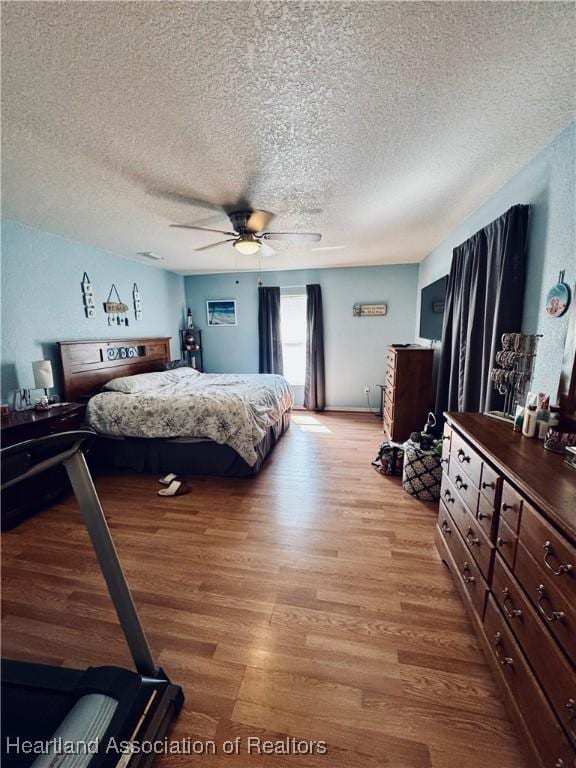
(88, 365)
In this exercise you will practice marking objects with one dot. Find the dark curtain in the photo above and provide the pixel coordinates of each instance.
(269, 338)
(315, 385)
(484, 299)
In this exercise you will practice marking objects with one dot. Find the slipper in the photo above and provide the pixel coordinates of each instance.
(168, 479)
(176, 488)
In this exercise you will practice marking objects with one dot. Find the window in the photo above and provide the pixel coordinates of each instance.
(293, 325)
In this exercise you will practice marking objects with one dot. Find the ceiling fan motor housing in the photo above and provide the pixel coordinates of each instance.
(239, 221)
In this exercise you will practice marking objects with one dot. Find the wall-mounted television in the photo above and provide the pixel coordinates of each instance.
(432, 299)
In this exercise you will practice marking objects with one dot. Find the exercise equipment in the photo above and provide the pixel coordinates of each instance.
(100, 717)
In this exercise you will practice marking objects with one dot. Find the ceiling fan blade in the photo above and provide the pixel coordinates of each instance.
(177, 197)
(267, 250)
(201, 229)
(329, 248)
(259, 220)
(293, 237)
(213, 245)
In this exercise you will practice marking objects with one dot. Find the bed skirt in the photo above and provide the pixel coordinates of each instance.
(203, 457)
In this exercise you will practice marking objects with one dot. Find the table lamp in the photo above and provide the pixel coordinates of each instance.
(43, 378)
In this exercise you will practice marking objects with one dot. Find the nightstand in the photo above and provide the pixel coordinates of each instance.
(30, 496)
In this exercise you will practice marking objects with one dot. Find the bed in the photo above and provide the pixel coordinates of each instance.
(154, 420)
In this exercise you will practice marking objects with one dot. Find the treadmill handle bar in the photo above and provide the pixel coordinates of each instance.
(105, 550)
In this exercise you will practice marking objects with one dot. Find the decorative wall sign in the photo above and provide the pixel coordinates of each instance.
(558, 299)
(88, 296)
(137, 303)
(116, 310)
(123, 353)
(369, 310)
(221, 312)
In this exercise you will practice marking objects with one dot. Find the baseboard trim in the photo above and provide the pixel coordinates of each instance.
(339, 408)
(349, 408)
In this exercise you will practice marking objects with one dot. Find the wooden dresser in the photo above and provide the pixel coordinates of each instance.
(507, 531)
(407, 391)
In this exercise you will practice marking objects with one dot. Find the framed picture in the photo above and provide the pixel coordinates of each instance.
(221, 312)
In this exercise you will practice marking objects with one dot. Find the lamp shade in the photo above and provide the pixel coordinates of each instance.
(43, 378)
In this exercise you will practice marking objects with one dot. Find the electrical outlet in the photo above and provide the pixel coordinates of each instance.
(366, 389)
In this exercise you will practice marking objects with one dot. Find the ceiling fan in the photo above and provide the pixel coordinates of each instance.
(249, 232)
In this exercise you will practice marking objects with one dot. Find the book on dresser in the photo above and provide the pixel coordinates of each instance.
(407, 391)
(507, 531)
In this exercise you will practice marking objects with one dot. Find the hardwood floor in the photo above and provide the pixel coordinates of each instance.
(306, 602)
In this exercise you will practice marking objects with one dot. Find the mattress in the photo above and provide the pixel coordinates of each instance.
(230, 409)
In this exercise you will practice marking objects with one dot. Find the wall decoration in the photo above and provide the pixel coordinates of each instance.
(558, 299)
(137, 303)
(369, 310)
(124, 353)
(88, 296)
(116, 310)
(221, 312)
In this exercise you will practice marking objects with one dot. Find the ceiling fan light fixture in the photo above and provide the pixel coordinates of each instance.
(247, 246)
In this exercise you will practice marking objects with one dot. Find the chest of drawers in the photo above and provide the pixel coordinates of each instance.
(507, 531)
(407, 391)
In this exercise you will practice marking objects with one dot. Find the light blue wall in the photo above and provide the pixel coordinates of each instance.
(355, 348)
(42, 299)
(547, 183)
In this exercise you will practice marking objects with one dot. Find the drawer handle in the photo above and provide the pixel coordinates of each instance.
(460, 484)
(446, 530)
(506, 507)
(500, 542)
(462, 457)
(483, 516)
(470, 538)
(443, 461)
(448, 496)
(512, 613)
(571, 707)
(467, 579)
(502, 659)
(542, 596)
(562, 568)
(559, 763)
(487, 485)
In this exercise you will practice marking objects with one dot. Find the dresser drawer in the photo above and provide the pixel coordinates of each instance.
(506, 543)
(467, 570)
(490, 484)
(64, 424)
(474, 537)
(463, 485)
(389, 397)
(391, 358)
(545, 730)
(467, 457)
(486, 517)
(390, 377)
(550, 550)
(547, 661)
(387, 424)
(557, 612)
(445, 523)
(511, 507)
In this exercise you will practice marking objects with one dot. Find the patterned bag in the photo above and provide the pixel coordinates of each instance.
(422, 472)
(389, 459)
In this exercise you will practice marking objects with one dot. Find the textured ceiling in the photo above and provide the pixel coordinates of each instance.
(381, 125)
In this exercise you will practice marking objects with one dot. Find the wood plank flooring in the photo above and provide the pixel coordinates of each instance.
(307, 602)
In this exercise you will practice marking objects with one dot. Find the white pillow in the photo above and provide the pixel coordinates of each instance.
(141, 383)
